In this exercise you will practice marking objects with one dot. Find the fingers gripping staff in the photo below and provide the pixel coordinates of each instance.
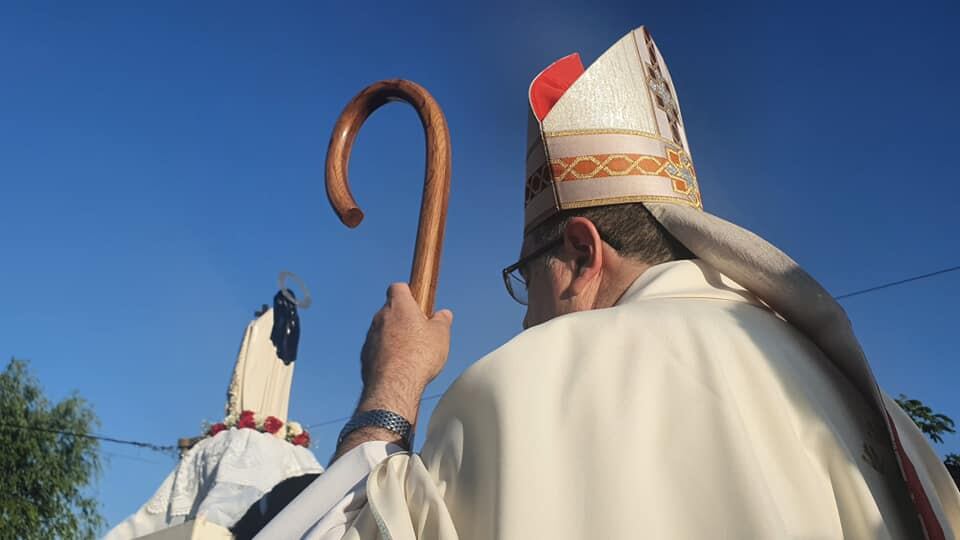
(436, 187)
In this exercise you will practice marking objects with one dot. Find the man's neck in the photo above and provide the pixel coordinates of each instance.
(617, 281)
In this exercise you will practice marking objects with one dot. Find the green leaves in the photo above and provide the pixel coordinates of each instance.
(45, 473)
(932, 424)
(952, 461)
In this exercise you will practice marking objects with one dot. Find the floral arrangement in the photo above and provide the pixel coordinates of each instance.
(292, 432)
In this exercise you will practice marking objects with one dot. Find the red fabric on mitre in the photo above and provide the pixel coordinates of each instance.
(551, 83)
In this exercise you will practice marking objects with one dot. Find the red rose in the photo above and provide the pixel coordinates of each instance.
(302, 439)
(216, 428)
(246, 420)
(272, 424)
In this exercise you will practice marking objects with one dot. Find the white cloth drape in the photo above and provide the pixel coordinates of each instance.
(218, 480)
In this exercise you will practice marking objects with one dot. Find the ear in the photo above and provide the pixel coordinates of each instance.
(583, 251)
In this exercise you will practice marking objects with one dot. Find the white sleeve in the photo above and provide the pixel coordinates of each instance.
(327, 504)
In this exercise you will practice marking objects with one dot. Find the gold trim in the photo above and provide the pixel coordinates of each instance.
(557, 171)
(553, 180)
(572, 132)
(544, 177)
(629, 199)
(565, 169)
(646, 83)
(570, 166)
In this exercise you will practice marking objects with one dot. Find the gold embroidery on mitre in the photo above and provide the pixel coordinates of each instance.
(537, 182)
(634, 132)
(666, 162)
(663, 94)
(676, 166)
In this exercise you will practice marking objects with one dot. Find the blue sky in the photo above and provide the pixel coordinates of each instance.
(161, 163)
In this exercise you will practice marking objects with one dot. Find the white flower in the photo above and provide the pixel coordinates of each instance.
(231, 420)
(294, 429)
(259, 419)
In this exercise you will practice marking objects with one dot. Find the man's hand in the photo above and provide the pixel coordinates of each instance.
(403, 352)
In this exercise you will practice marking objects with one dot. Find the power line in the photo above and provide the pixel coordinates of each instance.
(328, 422)
(132, 458)
(149, 446)
(898, 282)
(345, 418)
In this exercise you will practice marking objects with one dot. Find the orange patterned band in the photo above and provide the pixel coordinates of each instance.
(676, 166)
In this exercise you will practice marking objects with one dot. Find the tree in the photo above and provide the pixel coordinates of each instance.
(952, 462)
(46, 460)
(934, 425)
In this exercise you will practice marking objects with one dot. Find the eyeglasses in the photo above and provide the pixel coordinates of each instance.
(513, 275)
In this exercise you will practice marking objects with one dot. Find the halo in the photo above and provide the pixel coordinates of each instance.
(281, 283)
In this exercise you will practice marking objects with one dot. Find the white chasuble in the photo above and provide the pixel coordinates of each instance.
(687, 411)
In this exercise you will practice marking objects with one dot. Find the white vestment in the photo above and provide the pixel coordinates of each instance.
(689, 410)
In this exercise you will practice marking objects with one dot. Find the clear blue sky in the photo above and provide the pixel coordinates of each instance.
(161, 163)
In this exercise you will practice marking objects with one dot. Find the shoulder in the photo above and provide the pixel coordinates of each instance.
(630, 337)
(650, 321)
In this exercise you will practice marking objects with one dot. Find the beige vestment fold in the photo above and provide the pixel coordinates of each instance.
(689, 410)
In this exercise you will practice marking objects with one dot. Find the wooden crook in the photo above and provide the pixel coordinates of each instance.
(436, 186)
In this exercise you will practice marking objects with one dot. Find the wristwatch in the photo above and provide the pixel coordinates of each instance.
(380, 418)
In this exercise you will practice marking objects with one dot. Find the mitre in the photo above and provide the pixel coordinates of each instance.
(613, 133)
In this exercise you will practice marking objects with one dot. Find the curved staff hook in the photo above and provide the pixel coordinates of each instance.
(436, 187)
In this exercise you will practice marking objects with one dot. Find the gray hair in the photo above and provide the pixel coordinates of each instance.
(629, 228)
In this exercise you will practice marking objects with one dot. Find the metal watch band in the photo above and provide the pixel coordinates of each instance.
(380, 418)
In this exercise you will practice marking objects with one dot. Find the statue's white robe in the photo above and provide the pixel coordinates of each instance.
(261, 380)
(689, 410)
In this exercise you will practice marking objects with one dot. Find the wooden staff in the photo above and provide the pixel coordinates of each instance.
(436, 186)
